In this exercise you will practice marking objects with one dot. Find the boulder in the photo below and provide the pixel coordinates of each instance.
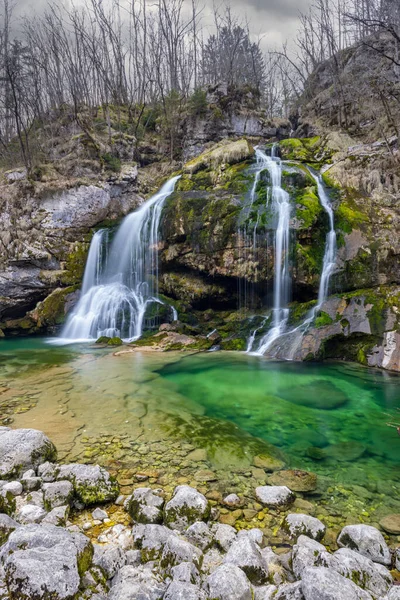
(290, 591)
(224, 535)
(295, 480)
(178, 590)
(275, 496)
(30, 513)
(145, 506)
(320, 583)
(265, 592)
(92, 484)
(7, 526)
(298, 524)
(177, 550)
(23, 448)
(185, 572)
(366, 540)
(110, 560)
(44, 561)
(57, 494)
(245, 554)
(309, 553)
(151, 539)
(228, 582)
(58, 516)
(362, 571)
(132, 583)
(186, 507)
(13, 487)
(200, 535)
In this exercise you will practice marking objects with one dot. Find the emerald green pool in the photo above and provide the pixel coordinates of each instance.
(152, 408)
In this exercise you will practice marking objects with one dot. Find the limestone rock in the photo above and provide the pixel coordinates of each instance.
(7, 526)
(151, 539)
(200, 535)
(185, 572)
(298, 524)
(290, 591)
(23, 448)
(110, 559)
(145, 505)
(57, 494)
(132, 583)
(178, 590)
(30, 513)
(58, 516)
(177, 550)
(13, 487)
(92, 484)
(44, 561)
(186, 506)
(362, 571)
(309, 553)
(228, 582)
(275, 496)
(254, 534)
(265, 592)
(320, 583)
(224, 535)
(366, 540)
(245, 554)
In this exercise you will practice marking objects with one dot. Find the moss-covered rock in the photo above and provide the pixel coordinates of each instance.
(224, 153)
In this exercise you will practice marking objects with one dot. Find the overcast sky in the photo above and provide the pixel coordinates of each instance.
(274, 20)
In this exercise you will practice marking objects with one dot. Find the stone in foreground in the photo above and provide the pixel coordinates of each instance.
(45, 561)
(186, 507)
(362, 571)
(178, 590)
(320, 583)
(309, 553)
(366, 540)
(132, 583)
(92, 484)
(275, 496)
(245, 554)
(298, 524)
(21, 449)
(228, 582)
(145, 505)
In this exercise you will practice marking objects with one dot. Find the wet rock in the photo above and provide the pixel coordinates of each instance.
(99, 514)
(366, 540)
(177, 550)
(309, 553)
(275, 496)
(200, 535)
(92, 484)
(228, 582)
(268, 463)
(318, 580)
(290, 591)
(145, 505)
(391, 524)
(295, 480)
(186, 506)
(232, 500)
(7, 526)
(23, 448)
(224, 535)
(109, 559)
(151, 539)
(329, 395)
(345, 451)
(58, 516)
(44, 561)
(30, 513)
(132, 583)
(245, 554)
(185, 572)
(178, 590)
(57, 494)
(362, 571)
(298, 524)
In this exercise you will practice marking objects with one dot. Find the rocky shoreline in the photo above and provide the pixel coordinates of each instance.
(67, 533)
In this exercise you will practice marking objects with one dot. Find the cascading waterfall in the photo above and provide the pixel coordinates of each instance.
(329, 262)
(281, 205)
(117, 292)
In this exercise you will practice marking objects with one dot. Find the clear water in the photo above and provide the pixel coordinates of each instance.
(327, 418)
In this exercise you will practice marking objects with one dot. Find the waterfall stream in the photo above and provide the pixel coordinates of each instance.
(119, 285)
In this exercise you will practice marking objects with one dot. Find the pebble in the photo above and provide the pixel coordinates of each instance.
(120, 500)
(99, 514)
(14, 487)
(86, 526)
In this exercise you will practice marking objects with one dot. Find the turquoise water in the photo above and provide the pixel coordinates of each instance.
(331, 419)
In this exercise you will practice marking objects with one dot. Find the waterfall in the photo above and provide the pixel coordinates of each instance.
(117, 292)
(329, 261)
(281, 204)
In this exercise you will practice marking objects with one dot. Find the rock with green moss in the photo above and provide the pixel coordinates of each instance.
(58, 493)
(186, 506)
(295, 480)
(150, 539)
(7, 526)
(45, 561)
(145, 506)
(92, 484)
(297, 524)
(224, 153)
(23, 449)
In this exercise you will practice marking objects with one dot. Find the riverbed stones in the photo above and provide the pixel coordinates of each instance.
(228, 582)
(224, 535)
(186, 506)
(268, 463)
(57, 494)
(295, 480)
(44, 561)
(345, 451)
(275, 496)
(320, 583)
(131, 583)
(329, 396)
(391, 524)
(21, 449)
(366, 540)
(92, 484)
(245, 554)
(150, 540)
(362, 571)
(200, 535)
(298, 524)
(145, 505)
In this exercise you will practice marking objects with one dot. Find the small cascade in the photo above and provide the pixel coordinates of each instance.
(118, 287)
(281, 205)
(329, 262)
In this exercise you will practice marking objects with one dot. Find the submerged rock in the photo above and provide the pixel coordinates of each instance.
(21, 449)
(391, 524)
(329, 395)
(296, 480)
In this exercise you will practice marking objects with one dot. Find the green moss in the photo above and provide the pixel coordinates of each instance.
(115, 341)
(310, 206)
(238, 344)
(323, 319)
(84, 559)
(103, 340)
(298, 311)
(51, 311)
(349, 217)
(75, 263)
